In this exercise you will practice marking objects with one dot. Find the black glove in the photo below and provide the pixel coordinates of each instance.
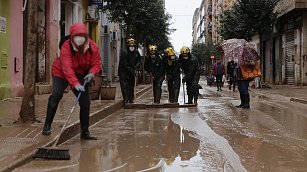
(132, 71)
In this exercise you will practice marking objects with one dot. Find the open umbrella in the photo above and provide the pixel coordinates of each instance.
(240, 50)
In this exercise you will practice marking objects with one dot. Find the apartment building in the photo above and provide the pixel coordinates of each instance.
(195, 26)
(218, 7)
(54, 20)
(285, 49)
(199, 24)
(208, 22)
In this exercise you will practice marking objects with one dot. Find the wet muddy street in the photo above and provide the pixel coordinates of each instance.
(214, 136)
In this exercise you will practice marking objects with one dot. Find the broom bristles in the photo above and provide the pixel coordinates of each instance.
(52, 153)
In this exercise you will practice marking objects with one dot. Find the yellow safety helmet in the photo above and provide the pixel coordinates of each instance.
(131, 42)
(152, 48)
(169, 51)
(184, 50)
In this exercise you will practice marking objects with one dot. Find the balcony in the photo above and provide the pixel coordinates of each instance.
(285, 6)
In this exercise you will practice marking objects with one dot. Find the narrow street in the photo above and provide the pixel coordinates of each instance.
(107, 57)
(215, 136)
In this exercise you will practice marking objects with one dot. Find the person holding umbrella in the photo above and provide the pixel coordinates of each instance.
(245, 55)
(243, 85)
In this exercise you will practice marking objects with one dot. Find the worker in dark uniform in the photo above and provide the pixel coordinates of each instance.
(190, 66)
(127, 69)
(154, 65)
(172, 70)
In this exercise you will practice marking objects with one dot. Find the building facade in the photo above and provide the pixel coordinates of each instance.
(54, 20)
(11, 49)
(218, 7)
(195, 26)
(198, 24)
(284, 50)
(206, 26)
(288, 46)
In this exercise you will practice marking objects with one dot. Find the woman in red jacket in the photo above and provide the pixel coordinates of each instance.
(79, 61)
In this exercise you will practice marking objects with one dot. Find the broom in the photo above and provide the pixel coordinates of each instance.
(53, 152)
(183, 91)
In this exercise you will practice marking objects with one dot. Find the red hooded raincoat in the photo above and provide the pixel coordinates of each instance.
(69, 64)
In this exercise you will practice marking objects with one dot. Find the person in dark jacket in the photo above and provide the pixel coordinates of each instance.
(128, 64)
(155, 67)
(190, 66)
(231, 74)
(218, 72)
(78, 62)
(243, 85)
(172, 70)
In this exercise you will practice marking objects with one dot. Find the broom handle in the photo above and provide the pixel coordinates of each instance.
(183, 93)
(69, 116)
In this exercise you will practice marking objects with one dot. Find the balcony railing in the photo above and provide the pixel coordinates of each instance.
(284, 6)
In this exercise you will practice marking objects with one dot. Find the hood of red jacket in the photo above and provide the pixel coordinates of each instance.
(78, 28)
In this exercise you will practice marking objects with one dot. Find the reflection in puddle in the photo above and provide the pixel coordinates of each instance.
(144, 148)
(181, 135)
(144, 151)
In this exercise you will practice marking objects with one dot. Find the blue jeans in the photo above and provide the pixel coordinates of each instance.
(243, 86)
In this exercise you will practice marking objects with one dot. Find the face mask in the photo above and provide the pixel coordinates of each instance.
(79, 40)
(131, 48)
(185, 57)
(172, 57)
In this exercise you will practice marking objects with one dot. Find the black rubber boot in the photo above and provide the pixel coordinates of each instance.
(85, 135)
(242, 101)
(51, 110)
(84, 122)
(190, 100)
(131, 96)
(246, 105)
(157, 98)
(176, 95)
(196, 99)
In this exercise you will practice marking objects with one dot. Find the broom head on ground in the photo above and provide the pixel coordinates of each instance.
(52, 153)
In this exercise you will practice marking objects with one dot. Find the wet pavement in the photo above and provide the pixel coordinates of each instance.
(19, 142)
(214, 136)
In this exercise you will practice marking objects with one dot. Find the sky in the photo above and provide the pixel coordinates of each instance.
(182, 15)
